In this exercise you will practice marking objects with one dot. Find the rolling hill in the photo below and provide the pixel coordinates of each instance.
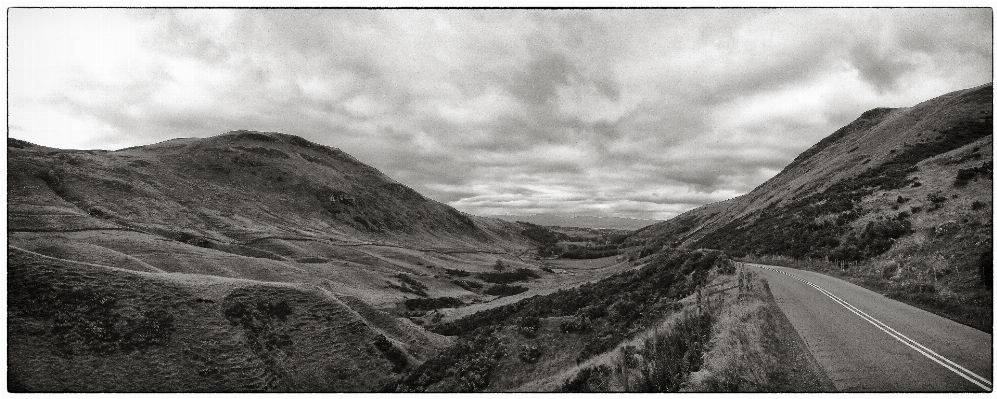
(904, 196)
(247, 261)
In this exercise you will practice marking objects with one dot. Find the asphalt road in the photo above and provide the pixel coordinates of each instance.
(869, 343)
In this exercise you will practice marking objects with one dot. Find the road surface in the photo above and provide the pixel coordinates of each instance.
(869, 343)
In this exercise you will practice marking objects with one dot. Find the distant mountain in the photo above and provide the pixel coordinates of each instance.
(907, 190)
(592, 222)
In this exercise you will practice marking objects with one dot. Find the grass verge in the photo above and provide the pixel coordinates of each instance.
(754, 348)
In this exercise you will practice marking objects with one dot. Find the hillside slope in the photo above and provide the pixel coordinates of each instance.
(290, 264)
(906, 194)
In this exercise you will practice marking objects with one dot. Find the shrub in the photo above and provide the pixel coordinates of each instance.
(964, 176)
(505, 290)
(433, 303)
(589, 379)
(463, 367)
(520, 274)
(667, 358)
(530, 353)
(977, 205)
(528, 326)
(458, 273)
(499, 265)
(575, 325)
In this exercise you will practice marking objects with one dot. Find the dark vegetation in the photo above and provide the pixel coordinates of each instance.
(455, 272)
(87, 321)
(409, 284)
(545, 239)
(793, 229)
(465, 366)
(192, 239)
(530, 353)
(964, 176)
(600, 315)
(556, 244)
(520, 274)
(433, 303)
(665, 360)
(266, 328)
(397, 358)
(589, 379)
(505, 290)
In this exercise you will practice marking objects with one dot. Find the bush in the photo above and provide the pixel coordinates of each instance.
(936, 198)
(964, 176)
(589, 379)
(521, 274)
(575, 325)
(505, 290)
(463, 367)
(530, 353)
(977, 205)
(458, 273)
(433, 303)
(528, 326)
(666, 359)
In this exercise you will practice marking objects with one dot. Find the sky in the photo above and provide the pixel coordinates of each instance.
(634, 113)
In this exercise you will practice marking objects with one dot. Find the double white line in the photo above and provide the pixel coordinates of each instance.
(930, 354)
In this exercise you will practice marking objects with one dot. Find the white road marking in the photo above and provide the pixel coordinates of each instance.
(930, 354)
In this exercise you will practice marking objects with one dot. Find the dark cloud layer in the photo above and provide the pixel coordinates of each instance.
(632, 113)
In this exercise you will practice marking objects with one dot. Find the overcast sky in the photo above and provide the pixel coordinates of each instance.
(630, 113)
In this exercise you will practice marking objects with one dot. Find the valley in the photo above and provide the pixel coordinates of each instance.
(263, 262)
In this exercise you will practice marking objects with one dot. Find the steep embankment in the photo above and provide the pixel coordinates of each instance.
(242, 262)
(906, 193)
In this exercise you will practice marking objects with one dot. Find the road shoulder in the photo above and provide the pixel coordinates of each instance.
(807, 375)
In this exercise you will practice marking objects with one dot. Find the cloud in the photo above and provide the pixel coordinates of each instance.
(634, 113)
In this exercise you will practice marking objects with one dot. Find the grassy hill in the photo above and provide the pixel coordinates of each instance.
(901, 199)
(246, 261)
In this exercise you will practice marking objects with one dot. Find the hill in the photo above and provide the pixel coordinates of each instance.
(901, 198)
(247, 261)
